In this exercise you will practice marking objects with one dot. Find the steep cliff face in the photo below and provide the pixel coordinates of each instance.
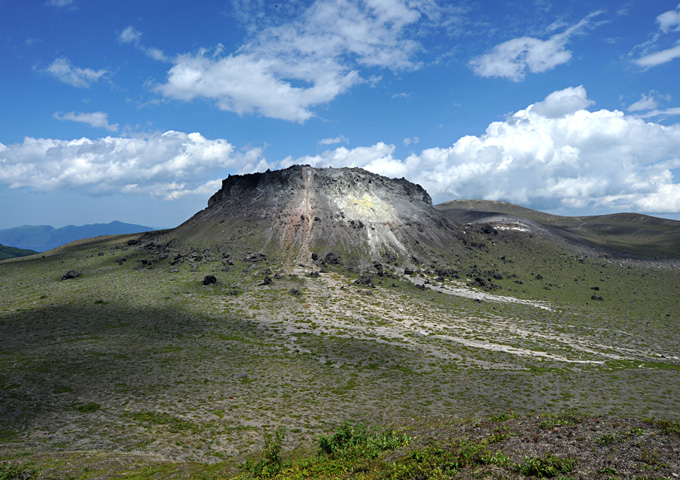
(303, 210)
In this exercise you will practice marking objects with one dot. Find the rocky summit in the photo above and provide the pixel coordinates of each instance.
(303, 213)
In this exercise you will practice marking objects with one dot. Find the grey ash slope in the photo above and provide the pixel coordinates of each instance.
(301, 210)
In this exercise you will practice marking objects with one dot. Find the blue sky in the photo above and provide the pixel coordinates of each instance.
(135, 111)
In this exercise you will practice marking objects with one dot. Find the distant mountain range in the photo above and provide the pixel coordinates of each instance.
(44, 237)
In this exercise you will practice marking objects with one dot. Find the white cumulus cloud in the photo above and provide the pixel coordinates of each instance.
(669, 21)
(284, 71)
(95, 119)
(62, 70)
(514, 58)
(563, 102)
(646, 102)
(552, 154)
(167, 165)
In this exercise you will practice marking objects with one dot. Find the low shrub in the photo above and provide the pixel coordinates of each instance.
(547, 466)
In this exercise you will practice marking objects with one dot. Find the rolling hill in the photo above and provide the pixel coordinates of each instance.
(13, 252)
(628, 234)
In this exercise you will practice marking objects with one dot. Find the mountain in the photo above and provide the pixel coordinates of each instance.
(627, 234)
(13, 252)
(303, 212)
(43, 237)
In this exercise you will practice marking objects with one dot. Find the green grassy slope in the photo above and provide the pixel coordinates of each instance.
(13, 252)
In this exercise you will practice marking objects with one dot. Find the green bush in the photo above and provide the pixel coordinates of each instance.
(271, 463)
(353, 440)
(552, 420)
(668, 427)
(444, 461)
(504, 416)
(545, 467)
(17, 471)
(88, 407)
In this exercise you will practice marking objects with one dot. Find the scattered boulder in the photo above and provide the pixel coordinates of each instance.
(70, 275)
(295, 292)
(447, 272)
(232, 291)
(256, 257)
(489, 230)
(315, 257)
(364, 281)
(597, 298)
(209, 280)
(266, 281)
(332, 258)
(485, 283)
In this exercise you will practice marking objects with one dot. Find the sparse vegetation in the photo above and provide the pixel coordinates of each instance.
(547, 466)
(137, 360)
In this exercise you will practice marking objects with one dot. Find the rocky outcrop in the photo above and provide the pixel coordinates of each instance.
(341, 215)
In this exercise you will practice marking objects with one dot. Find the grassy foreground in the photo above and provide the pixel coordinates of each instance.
(563, 446)
(136, 368)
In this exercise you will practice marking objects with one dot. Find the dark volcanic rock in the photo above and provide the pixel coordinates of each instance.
(71, 274)
(209, 280)
(365, 281)
(332, 258)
